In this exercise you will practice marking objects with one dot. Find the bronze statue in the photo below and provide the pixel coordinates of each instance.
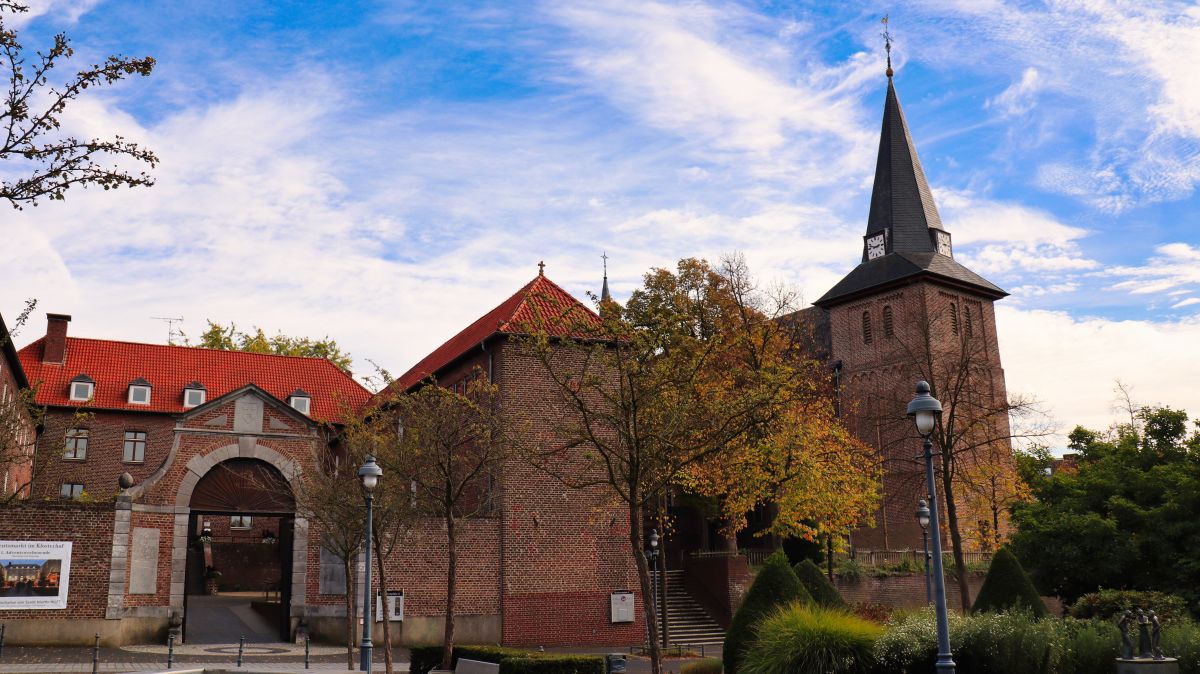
(1143, 623)
(1155, 633)
(1126, 642)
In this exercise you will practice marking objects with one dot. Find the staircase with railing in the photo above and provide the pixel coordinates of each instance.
(688, 624)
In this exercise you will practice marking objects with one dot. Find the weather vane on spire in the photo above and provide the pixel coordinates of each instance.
(887, 43)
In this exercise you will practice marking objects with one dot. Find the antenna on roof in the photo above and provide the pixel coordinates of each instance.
(172, 333)
(887, 43)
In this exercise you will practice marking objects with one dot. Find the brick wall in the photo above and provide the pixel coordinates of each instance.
(564, 551)
(905, 591)
(17, 434)
(104, 463)
(89, 527)
(878, 378)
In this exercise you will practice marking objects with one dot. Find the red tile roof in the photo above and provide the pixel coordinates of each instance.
(541, 300)
(169, 369)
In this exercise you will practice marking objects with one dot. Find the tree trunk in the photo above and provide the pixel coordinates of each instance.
(643, 570)
(387, 618)
(964, 589)
(351, 613)
(451, 586)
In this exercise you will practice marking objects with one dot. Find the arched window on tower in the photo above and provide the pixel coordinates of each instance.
(888, 330)
(970, 326)
(954, 318)
(866, 327)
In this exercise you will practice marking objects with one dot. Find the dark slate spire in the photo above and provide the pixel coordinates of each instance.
(604, 294)
(905, 239)
(901, 200)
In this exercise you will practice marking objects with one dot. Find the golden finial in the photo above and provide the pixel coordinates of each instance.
(887, 44)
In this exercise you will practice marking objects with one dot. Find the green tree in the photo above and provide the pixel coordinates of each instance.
(1007, 586)
(775, 585)
(229, 338)
(40, 160)
(1125, 518)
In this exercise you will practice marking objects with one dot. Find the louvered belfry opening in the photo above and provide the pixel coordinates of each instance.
(243, 486)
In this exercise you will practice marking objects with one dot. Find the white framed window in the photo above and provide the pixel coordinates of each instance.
(139, 394)
(135, 447)
(76, 444)
(240, 521)
(193, 397)
(71, 490)
(82, 391)
(300, 403)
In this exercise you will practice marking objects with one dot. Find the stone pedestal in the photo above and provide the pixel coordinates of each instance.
(1147, 666)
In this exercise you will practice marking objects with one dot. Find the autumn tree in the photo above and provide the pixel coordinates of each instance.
(693, 368)
(44, 160)
(229, 338)
(19, 418)
(329, 496)
(371, 431)
(449, 446)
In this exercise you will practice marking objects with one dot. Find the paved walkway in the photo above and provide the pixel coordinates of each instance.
(283, 658)
(223, 619)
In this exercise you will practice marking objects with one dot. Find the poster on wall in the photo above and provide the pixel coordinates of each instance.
(34, 574)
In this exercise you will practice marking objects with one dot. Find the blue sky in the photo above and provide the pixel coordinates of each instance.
(384, 172)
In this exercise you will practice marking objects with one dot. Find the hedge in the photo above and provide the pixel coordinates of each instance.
(1109, 604)
(823, 592)
(1007, 586)
(511, 660)
(775, 585)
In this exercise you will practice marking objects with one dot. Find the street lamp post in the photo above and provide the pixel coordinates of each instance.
(923, 520)
(653, 555)
(369, 474)
(925, 411)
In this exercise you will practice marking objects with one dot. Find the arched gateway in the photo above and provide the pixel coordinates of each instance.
(240, 544)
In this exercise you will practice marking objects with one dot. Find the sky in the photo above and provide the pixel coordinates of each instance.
(383, 173)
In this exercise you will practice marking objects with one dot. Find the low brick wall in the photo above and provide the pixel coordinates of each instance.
(902, 591)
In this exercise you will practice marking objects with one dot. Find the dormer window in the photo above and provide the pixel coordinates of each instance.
(139, 392)
(300, 401)
(83, 388)
(194, 395)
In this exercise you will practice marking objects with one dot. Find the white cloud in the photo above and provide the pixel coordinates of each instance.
(1018, 99)
(1175, 266)
(1071, 364)
(1186, 303)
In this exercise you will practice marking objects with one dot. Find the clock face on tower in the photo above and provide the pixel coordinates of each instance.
(943, 244)
(875, 246)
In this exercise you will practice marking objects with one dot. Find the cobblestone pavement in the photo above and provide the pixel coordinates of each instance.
(142, 659)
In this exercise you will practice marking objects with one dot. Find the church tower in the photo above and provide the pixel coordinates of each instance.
(908, 311)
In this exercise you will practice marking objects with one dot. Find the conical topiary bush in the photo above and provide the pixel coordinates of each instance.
(775, 585)
(822, 591)
(1008, 586)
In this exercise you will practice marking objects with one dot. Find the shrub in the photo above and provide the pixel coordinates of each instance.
(1007, 586)
(799, 638)
(775, 585)
(705, 666)
(822, 591)
(1090, 646)
(1108, 604)
(553, 664)
(425, 658)
(988, 643)
(851, 569)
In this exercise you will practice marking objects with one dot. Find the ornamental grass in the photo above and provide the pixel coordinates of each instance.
(805, 639)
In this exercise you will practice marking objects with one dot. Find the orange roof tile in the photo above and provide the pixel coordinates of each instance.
(113, 365)
(539, 300)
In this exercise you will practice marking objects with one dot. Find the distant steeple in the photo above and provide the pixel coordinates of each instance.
(604, 294)
(901, 202)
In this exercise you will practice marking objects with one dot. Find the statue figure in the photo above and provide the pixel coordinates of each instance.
(1143, 623)
(1126, 642)
(1155, 634)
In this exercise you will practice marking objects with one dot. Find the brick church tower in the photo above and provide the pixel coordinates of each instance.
(910, 311)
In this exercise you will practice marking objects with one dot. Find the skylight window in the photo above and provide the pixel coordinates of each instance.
(194, 395)
(300, 401)
(139, 392)
(83, 388)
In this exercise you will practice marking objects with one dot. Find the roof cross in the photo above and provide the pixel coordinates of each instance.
(541, 268)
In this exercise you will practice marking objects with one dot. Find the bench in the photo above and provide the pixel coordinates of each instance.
(466, 666)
